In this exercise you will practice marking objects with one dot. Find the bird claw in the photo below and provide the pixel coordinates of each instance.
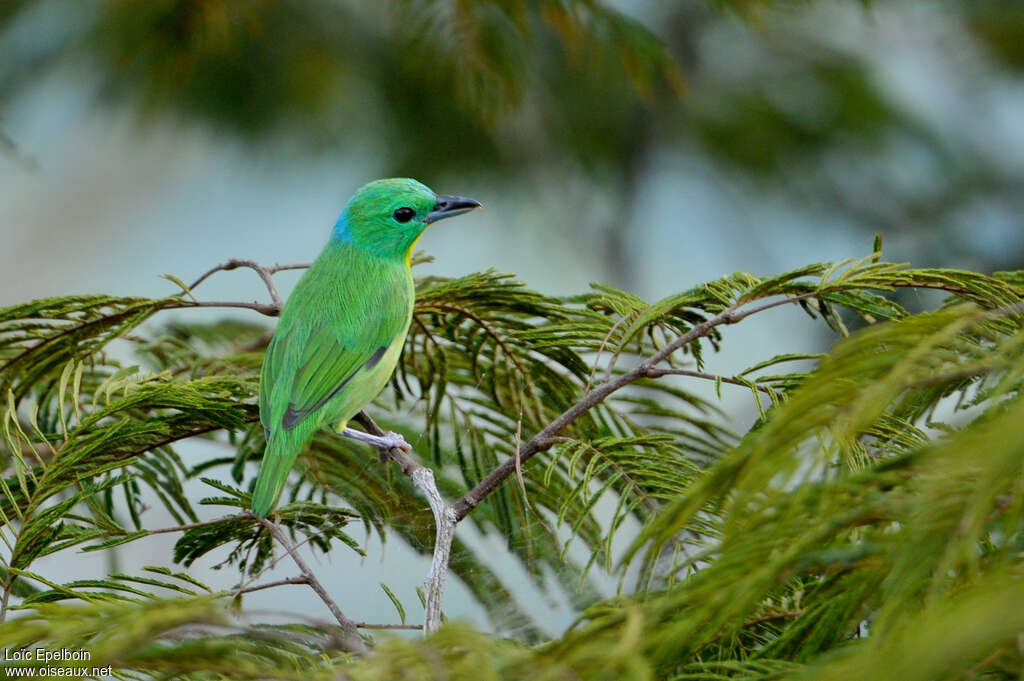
(381, 442)
(392, 439)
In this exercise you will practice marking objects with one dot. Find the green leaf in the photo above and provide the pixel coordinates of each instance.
(394, 601)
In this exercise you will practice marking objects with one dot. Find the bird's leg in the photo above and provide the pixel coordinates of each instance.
(382, 442)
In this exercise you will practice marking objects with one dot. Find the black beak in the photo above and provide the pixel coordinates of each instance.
(449, 207)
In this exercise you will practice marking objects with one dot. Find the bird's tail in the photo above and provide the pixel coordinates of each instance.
(277, 462)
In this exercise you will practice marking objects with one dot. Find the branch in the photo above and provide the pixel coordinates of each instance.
(658, 373)
(270, 310)
(600, 349)
(411, 627)
(301, 579)
(353, 642)
(446, 517)
(444, 520)
(264, 271)
(266, 274)
(272, 563)
(545, 438)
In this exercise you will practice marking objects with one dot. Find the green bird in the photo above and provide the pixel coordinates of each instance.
(342, 329)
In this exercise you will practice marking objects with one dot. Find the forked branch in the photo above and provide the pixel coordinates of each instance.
(353, 642)
(266, 273)
(444, 521)
(646, 369)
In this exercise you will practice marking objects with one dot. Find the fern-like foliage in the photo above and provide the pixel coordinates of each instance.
(873, 512)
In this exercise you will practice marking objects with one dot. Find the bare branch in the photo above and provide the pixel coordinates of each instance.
(301, 579)
(444, 520)
(264, 271)
(600, 349)
(272, 563)
(266, 274)
(410, 627)
(658, 373)
(270, 310)
(353, 642)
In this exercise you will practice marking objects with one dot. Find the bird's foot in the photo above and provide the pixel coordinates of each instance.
(393, 440)
(382, 442)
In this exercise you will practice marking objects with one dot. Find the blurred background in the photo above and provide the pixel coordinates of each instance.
(651, 145)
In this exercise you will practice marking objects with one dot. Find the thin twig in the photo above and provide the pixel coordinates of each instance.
(353, 642)
(411, 627)
(657, 373)
(268, 309)
(301, 579)
(272, 563)
(600, 349)
(264, 271)
(543, 439)
(519, 466)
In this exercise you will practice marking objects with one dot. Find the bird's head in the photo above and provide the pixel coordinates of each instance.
(387, 217)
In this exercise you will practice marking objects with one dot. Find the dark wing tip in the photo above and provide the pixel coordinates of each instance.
(292, 416)
(376, 357)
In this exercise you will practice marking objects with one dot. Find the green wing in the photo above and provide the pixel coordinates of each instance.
(325, 368)
(321, 366)
(302, 372)
(341, 319)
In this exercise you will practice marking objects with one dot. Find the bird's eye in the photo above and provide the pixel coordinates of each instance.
(404, 214)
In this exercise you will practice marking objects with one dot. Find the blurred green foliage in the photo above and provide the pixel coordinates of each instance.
(800, 100)
(439, 82)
